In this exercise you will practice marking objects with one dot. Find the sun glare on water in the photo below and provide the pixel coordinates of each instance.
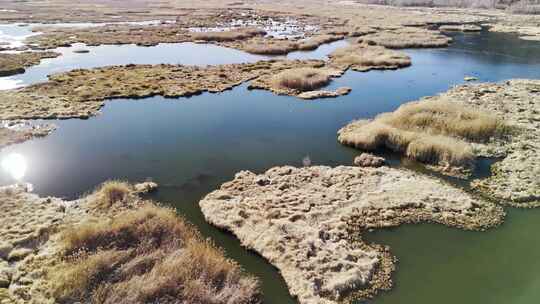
(15, 165)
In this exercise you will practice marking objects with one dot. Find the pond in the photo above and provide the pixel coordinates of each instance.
(192, 145)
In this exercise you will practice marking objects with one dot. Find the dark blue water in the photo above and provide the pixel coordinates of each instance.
(191, 145)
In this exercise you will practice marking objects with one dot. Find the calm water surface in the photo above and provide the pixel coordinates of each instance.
(171, 53)
(191, 145)
(106, 55)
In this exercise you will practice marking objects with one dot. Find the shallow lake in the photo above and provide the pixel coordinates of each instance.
(191, 145)
(170, 53)
(105, 55)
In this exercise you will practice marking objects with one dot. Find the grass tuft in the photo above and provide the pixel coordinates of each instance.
(364, 57)
(110, 193)
(314, 42)
(302, 79)
(531, 7)
(149, 255)
(226, 36)
(277, 47)
(435, 132)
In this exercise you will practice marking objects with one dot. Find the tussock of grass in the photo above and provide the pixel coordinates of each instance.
(349, 31)
(233, 35)
(283, 47)
(435, 132)
(531, 7)
(364, 57)
(276, 47)
(111, 192)
(314, 42)
(302, 79)
(407, 37)
(148, 255)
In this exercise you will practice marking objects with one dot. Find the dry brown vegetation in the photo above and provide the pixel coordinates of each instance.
(11, 64)
(270, 47)
(283, 46)
(228, 35)
(110, 193)
(434, 132)
(81, 93)
(407, 37)
(302, 79)
(314, 42)
(10, 136)
(365, 57)
(149, 255)
(350, 31)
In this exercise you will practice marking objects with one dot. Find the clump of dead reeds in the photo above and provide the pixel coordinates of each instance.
(270, 47)
(434, 132)
(110, 193)
(314, 42)
(232, 35)
(302, 79)
(364, 57)
(149, 255)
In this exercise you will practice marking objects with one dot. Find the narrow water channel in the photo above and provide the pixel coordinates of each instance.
(191, 145)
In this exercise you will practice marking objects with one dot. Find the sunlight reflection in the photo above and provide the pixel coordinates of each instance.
(15, 165)
(7, 83)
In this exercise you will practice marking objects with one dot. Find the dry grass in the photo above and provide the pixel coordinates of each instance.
(283, 47)
(314, 42)
(441, 3)
(146, 256)
(531, 7)
(407, 37)
(302, 79)
(9, 136)
(513, 6)
(15, 63)
(435, 132)
(270, 47)
(111, 192)
(365, 57)
(233, 35)
(445, 118)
